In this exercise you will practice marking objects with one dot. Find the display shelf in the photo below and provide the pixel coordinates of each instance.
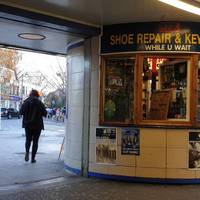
(173, 76)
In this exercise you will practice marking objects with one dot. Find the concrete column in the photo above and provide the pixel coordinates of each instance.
(75, 107)
(83, 81)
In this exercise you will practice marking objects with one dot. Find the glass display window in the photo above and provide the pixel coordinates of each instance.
(155, 90)
(117, 91)
(166, 89)
(165, 94)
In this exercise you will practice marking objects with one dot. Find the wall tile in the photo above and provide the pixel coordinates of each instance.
(93, 134)
(180, 173)
(153, 137)
(197, 172)
(151, 157)
(77, 98)
(78, 81)
(177, 138)
(121, 170)
(77, 64)
(95, 80)
(94, 116)
(68, 130)
(99, 168)
(150, 172)
(75, 150)
(94, 99)
(76, 115)
(69, 114)
(177, 158)
(67, 147)
(76, 133)
(92, 153)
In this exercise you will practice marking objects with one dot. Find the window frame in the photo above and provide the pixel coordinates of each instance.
(138, 81)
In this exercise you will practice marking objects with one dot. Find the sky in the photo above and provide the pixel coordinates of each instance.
(46, 64)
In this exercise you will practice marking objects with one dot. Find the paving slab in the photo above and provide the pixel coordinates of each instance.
(13, 168)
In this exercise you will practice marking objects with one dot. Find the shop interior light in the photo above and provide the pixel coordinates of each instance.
(183, 5)
(31, 36)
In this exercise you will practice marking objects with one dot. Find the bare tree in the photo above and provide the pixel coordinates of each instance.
(60, 76)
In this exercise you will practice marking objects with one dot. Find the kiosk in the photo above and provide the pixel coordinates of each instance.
(144, 119)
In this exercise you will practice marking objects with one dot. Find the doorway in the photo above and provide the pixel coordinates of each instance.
(20, 72)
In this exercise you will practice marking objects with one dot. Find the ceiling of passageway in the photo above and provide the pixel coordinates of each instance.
(100, 12)
(85, 13)
(55, 42)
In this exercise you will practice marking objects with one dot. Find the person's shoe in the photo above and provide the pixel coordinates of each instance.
(26, 157)
(33, 161)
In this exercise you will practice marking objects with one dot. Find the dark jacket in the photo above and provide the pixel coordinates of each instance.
(33, 110)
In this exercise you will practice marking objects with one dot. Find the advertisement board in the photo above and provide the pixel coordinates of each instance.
(106, 145)
(194, 150)
(130, 141)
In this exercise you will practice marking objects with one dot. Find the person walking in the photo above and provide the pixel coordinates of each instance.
(32, 111)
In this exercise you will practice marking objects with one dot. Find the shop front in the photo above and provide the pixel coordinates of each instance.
(149, 104)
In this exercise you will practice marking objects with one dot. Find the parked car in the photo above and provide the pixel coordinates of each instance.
(4, 112)
(10, 113)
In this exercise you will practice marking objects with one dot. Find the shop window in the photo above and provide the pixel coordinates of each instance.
(165, 89)
(117, 91)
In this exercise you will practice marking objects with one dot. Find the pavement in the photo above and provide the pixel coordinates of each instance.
(13, 168)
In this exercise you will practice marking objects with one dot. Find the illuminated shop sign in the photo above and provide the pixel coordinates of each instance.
(151, 36)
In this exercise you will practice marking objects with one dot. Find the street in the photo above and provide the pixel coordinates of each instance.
(13, 168)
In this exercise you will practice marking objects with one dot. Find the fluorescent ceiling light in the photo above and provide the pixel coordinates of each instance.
(31, 36)
(182, 5)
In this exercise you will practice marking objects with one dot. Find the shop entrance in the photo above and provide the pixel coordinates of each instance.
(20, 72)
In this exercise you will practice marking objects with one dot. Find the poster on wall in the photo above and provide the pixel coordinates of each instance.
(194, 150)
(130, 141)
(106, 145)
